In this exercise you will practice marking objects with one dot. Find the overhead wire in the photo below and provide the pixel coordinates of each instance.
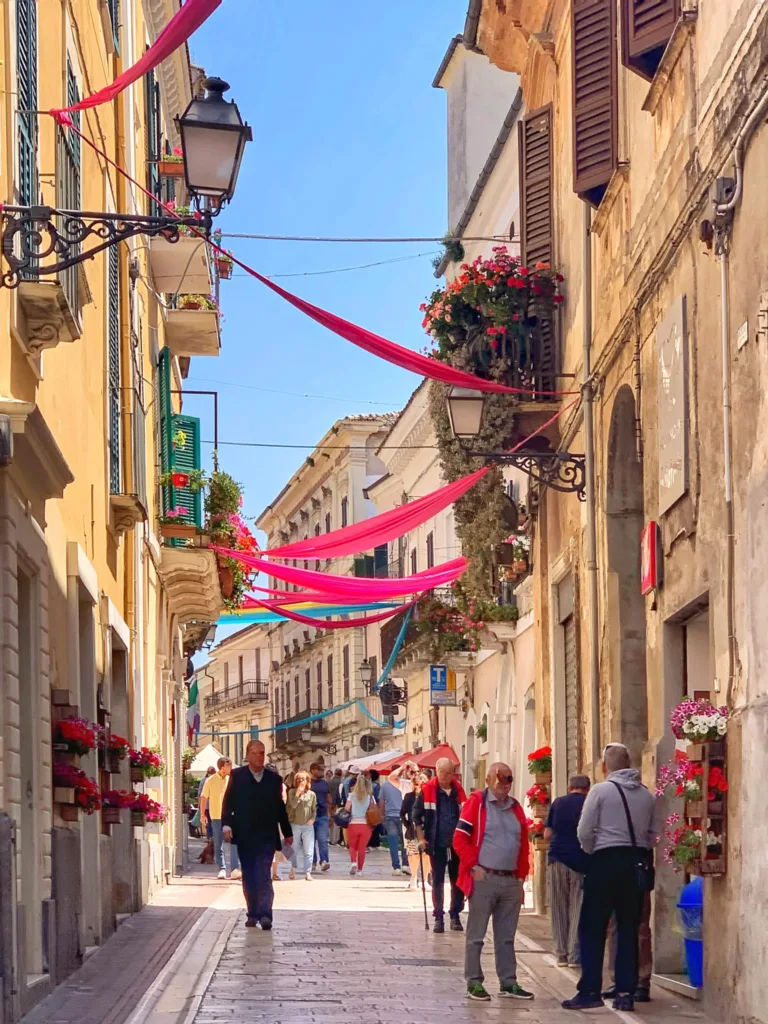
(292, 394)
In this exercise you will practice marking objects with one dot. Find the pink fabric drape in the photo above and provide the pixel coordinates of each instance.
(365, 620)
(369, 533)
(292, 597)
(178, 30)
(351, 586)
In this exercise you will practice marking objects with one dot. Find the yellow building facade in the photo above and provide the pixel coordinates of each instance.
(98, 614)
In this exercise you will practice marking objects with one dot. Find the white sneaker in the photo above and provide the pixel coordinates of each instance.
(236, 873)
(396, 872)
(308, 876)
(353, 869)
(405, 871)
(325, 866)
(222, 874)
(359, 872)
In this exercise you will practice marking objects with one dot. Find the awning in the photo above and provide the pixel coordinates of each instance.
(372, 760)
(427, 759)
(205, 759)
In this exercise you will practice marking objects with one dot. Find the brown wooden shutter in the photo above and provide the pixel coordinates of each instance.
(595, 97)
(535, 139)
(537, 227)
(646, 28)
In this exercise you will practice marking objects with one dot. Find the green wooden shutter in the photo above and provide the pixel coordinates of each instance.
(163, 399)
(26, 64)
(113, 342)
(185, 458)
(152, 138)
(114, 17)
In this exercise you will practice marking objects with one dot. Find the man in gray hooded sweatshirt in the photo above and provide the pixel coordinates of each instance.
(611, 884)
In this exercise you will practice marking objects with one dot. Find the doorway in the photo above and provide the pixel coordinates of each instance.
(626, 605)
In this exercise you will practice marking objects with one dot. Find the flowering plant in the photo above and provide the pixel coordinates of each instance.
(76, 735)
(157, 812)
(149, 761)
(698, 721)
(538, 795)
(540, 761)
(116, 745)
(87, 793)
(198, 302)
(228, 529)
(116, 798)
(176, 157)
(535, 828)
(183, 211)
(717, 783)
(684, 843)
(491, 301)
(140, 803)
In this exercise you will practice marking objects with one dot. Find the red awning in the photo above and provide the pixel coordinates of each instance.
(430, 757)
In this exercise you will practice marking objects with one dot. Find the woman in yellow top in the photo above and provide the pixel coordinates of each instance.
(302, 810)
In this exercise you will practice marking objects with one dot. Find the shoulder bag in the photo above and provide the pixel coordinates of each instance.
(645, 875)
(373, 816)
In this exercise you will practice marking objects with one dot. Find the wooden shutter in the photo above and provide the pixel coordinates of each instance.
(113, 344)
(535, 140)
(646, 28)
(185, 458)
(26, 100)
(595, 97)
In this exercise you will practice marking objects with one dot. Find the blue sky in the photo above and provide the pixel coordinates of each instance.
(349, 139)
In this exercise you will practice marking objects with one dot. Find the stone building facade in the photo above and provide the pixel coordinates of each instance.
(642, 148)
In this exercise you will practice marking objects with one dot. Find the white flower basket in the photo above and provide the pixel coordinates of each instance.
(154, 782)
(153, 828)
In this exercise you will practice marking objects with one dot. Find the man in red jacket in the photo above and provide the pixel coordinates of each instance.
(492, 843)
(436, 815)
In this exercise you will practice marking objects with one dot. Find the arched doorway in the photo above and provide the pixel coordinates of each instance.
(625, 608)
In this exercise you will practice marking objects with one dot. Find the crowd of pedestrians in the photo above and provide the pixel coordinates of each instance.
(600, 871)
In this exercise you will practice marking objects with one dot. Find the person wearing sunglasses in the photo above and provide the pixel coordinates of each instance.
(491, 840)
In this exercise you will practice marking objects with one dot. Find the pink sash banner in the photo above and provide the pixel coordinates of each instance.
(370, 533)
(365, 620)
(178, 30)
(351, 586)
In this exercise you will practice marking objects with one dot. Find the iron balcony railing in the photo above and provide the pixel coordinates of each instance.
(290, 731)
(252, 691)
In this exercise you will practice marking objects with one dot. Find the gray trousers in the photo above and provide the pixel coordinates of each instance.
(566, 889)
(501, 898)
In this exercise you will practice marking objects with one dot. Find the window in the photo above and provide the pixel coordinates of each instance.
(240, 672)
(287, 703)
(344, 512)
(226, 675)
(317, 560)
(330, 680)
(345, 664)
(595, 97)
(276, 709)
(381, 561)
(68, 170)
(113, 6)
(430, 550)
(113, 358)
(327, 522)
(26, 84)
(296, 693)
(414, 561)
(308, 688)
(646, 30)
(152, 138)
(258, 662)
(319, 686)
(139, 428)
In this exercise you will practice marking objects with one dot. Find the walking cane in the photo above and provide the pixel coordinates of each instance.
(423, 888)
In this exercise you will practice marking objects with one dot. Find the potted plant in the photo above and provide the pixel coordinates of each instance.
(228, 529)
(114, 749)
(482, 731)
(146, 763)
(226, 577)
(113, 802)
(540, 765)
(538, 797)
(717, 786)
(197, 302)
(699, 722)
(139, 805)
(74, 791)
(72, 738)
(192, 480)
(683, 849)
(157, 815)
(171, 165)
(536, 834)
(172, 524)
(224, 265)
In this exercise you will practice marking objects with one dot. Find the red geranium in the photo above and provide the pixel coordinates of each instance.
(117, 745)
(540, 761)
(538, 795)
(87, 793)
(76, 735)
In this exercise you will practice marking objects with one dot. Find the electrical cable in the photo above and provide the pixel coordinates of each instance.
(292, 394)
(326, 238)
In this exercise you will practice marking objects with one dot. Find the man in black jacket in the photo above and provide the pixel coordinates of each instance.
(253, 816)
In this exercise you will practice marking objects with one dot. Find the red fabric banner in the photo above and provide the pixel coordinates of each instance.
(369, 533)
(352, 586)
(178, 30)
(365, 620)
(293, 597)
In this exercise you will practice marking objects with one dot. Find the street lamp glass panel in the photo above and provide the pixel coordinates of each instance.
(366, 671)
(213, 137)
(465, 411)
(306, 735)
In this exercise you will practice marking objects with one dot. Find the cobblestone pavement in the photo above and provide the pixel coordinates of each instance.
(343, 951)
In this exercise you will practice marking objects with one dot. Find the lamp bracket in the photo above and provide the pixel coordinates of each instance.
(33, 234)
(561, 471)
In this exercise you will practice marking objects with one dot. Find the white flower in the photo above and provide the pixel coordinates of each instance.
(722, 725)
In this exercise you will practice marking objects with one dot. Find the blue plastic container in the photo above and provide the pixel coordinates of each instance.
(691, 907)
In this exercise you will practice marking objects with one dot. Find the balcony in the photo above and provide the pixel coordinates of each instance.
(252, 691)
(193, 332)
(46, 317)
(191, 580)
(182, 267)
(287, 734)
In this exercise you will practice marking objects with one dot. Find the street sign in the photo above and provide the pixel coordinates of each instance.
(442, 685)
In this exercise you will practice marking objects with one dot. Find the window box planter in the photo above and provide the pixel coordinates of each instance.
(69, 812)
(153, 828)
(540, 811)
(63, 756)
(111, 815)
(178, 531)
(137, 775)
(224, 267)
(138, 819)
(180, 267)
(543, 778)
(63, 795)
(540, 844)
(226, 580)
(171, 168)
(154, 782)
(193, 332)
(695, 809)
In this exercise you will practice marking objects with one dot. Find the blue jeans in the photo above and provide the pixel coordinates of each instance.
(303, 844)
(394, 831)
(446, 859)
(257, 879)
(219, 856)
(322, 826)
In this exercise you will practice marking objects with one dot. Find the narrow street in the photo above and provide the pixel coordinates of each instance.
(343, 950)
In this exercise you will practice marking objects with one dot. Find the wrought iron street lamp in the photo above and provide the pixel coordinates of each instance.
(559, 470)
(42, 241)
(213, 138)
(366, 673)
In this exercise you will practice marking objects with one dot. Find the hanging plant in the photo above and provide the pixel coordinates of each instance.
(171, 165)
(228, 529)
(224, 265)
(197, 302)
